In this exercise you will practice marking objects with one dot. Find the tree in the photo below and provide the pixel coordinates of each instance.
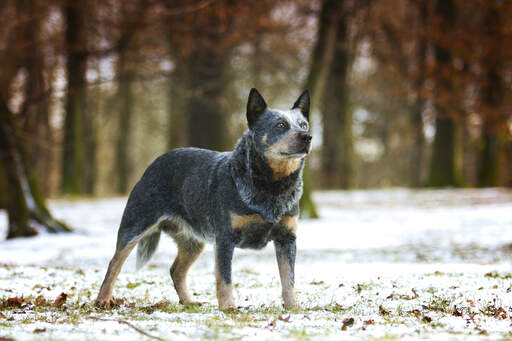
(131, 20)
(337, 150)
(492, 96)
(78, 146)
(445, 165)
(19, 189)
(321, 60)
(25, 204)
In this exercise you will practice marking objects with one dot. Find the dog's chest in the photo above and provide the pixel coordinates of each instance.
(253, 232)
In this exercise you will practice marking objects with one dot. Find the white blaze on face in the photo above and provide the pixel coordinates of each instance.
(292, 116)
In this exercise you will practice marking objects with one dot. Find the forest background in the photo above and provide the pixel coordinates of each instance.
(409, 93)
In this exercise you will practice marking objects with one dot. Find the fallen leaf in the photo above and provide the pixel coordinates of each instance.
(456, 312)
(368, 322)
(2, 315)
(415, 294)
(39, 330)
(40, 300)
(284, 319)
(500, 313)
(14, 302)
(348, 322)
(59, 301)
(383, 311)
(416, 313)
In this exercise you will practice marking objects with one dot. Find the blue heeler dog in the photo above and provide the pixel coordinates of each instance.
(244, 198)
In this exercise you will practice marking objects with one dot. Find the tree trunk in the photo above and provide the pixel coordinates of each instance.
(492, 102)
(445, 166)
(416, 155)
(206, 110)
(177, 100)
(25, 204)
(75, 154)
(337, 151)
(125, 104)
(321, 61)
(489, 174)
(35, 112)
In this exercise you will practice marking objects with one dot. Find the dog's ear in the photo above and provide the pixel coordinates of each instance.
(302, 104)
(255, 107)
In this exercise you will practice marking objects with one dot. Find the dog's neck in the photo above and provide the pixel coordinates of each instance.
(259, 189)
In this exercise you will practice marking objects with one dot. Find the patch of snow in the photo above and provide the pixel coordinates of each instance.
(402, 263)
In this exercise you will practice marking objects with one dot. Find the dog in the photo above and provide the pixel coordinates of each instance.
(244, 198)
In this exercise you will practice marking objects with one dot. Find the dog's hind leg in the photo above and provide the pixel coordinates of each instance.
(189, 250)
(127, 238)
(104, 299)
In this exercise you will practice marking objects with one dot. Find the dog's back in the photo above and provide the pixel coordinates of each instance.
(175, 189)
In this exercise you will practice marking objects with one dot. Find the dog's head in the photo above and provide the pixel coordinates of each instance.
(282, 136)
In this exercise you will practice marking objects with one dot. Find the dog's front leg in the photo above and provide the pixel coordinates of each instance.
(285, 253)
(224, 248)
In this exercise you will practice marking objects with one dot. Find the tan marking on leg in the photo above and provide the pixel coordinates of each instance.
(224, 292)
(104, 299)
(187, 255)
(240, 221)
(288, 291)
(290, 223)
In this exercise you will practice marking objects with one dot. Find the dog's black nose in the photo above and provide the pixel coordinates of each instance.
(306, 137)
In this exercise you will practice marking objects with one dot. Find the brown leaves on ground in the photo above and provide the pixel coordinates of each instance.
(60, 300)
(273, 323)
(14, 302)
(20, 302)
(284, 319)
(348, 322)
(383, 311)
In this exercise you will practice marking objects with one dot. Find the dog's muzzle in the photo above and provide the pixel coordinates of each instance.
(306, 138)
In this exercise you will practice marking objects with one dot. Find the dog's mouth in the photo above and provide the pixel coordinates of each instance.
(297, 154)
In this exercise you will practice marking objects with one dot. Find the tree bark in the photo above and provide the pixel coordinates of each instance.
(492, 94)
(321, 61)
(206, 110)
(418, 147)
(177, 100)
(75, 153)
(125, 102)
(445, 166)
(337, 151)
(35, 111)
(25, 204)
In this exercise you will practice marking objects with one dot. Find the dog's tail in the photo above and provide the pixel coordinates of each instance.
(147, 247)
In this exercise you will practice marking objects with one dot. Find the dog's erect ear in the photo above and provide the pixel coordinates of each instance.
(255, 107)
(302, 103)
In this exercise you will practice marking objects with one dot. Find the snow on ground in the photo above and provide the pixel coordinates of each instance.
(379, 265)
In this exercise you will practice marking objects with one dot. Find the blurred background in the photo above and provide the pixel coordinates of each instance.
(405, 93)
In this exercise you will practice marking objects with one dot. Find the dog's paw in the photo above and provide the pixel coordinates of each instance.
(106, 303)
(230, 310)
(194, 303)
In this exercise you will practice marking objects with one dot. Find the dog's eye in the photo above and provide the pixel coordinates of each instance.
(303, 125)
(281, 125)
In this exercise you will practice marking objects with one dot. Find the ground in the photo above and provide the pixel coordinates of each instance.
(378, 265)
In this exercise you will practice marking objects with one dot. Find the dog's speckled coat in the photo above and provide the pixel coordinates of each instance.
(244, 198)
